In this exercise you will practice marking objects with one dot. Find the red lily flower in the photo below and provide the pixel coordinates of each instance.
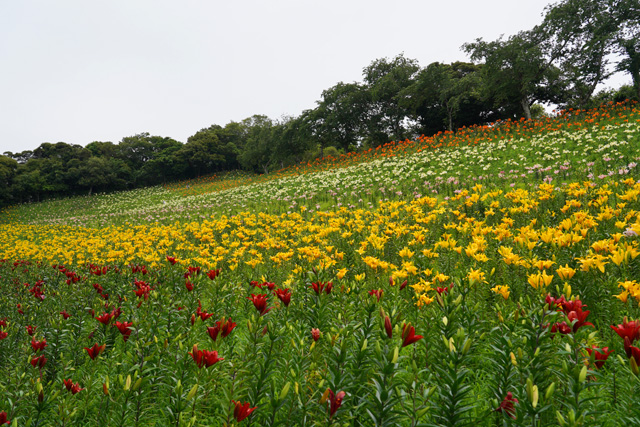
(269, 285)
(579, 317)
(194, 270)
(125, 329)
(3, 418)
(73, 388)
(65, 315)
(227, 327)
(31, 330)
(561, 327)
(213, 332)
(203, 314)
(409, 336)
(95, 350)
(403, 285)
(442, 290)
(555, 303)
(315, 334)
(189, 285)
(601, 354)
(284, 295)
(38, 345)
(507, 405)
(104, 318)
(242, 411)
(387, 326)
(260, 303)
(204, 357)
(171, 259)
(377, 292)
(335, 402)
(572, 305)
(3, 335)
(38, 361)
(628, 329)
(143, 289)
(3, 322)
(318, 287)
(634, 352)
(212, 274)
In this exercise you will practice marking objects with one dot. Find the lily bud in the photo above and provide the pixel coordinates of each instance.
(550, 390)
(387, 327)
(634, 366)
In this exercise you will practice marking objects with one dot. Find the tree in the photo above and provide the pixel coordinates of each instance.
(340, 116)
(103, 173)
(222, 146)
(626, 40)
(439, 91)
(384, 80)
(257, 153)
(291, 138)
(577, 35)
(517, 71)
(8, 167)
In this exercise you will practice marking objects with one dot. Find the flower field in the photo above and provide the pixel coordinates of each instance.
(487, 277)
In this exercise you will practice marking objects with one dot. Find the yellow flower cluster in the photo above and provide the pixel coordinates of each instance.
(399, 240)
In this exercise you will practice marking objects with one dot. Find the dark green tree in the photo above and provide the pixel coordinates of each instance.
(341, 115)
(518, 71)
(8, 168)
(385, 79)
(576, 35)
(626, 41)
(257, 153)
(438, 93)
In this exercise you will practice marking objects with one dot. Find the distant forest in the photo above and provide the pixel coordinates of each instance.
(578, 45)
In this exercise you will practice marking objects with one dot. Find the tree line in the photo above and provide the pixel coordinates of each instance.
(561, 61)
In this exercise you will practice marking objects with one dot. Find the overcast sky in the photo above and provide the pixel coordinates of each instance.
(81, 71)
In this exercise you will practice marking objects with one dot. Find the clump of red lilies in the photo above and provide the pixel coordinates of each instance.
(507, 405)
(224, 326)
(377, 293)
(284, 295)
(573, 309)
(38, 345)
(260, 303)
(242, 410)
(212, 274)
(629, 331)
(38, 361)
(318, 287)
(73, 388)
(201, 313)
(600, 355)
(204, 358)
(269, 285)
(143, 289)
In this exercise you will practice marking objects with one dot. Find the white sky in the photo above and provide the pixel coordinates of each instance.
(79, 71)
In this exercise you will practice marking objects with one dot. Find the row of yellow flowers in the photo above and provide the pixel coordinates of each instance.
(424, 241)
